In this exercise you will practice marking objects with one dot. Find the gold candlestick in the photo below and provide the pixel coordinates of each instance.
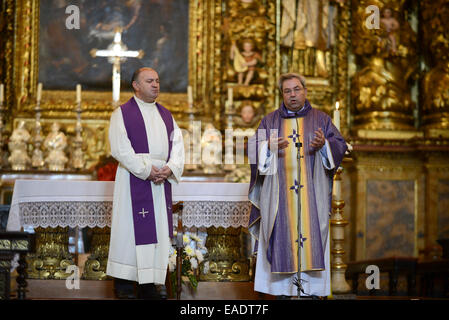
(37, 159)
(78, 155)
(338, 223)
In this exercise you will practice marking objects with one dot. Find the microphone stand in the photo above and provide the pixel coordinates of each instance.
(298, 146)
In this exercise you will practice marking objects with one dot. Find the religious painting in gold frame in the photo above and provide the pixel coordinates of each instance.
(159, 28)
(21, 76)
(23, 18)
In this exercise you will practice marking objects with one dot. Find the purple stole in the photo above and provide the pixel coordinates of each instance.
(141, 193)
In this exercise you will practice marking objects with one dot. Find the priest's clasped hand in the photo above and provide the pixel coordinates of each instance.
(158, 176)
(319, 140)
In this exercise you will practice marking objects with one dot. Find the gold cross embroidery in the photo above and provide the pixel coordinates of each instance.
(143, 212)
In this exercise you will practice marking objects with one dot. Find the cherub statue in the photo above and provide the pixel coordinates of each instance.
(19, 158)
(391, 25)
(245, 62)
(249, 116)
(55, 143)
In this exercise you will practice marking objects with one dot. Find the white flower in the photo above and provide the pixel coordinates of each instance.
(186, 239)
(189, 250)
(172, 262)
(206, 267)
(194, 263)
(199, 256)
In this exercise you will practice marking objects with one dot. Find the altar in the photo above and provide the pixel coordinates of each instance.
(51, 207)
(59, 203)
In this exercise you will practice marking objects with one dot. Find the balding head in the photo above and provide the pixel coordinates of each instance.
(136, 74)
(146, 84)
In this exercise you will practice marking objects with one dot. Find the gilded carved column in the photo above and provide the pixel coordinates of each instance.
(435, 85)
(384, 44)
(249, 54)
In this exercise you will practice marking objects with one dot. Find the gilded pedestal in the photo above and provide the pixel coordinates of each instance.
(225, 259)
(52, 255)
(95, 266)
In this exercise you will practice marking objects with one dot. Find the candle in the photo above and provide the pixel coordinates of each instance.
(189, 95)
(337, 190)
(39, 91)
(337, 115)
(78, 93)
(2, 88)
(230, 96)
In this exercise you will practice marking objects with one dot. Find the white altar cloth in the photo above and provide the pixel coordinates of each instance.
(52, 203)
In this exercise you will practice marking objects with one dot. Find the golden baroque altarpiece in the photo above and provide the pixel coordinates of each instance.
(393, 92)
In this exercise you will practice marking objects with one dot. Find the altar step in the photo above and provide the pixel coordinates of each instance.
(104, 290)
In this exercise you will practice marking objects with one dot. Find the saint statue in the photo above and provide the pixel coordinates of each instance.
(307, 27)
(55, 143)
(19, 158)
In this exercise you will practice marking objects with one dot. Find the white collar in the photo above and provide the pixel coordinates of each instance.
(143, 103)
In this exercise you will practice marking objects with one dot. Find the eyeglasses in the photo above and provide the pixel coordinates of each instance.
(296, 90)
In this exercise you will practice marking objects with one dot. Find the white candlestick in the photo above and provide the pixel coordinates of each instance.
(2, 89)
(39, 91)
(78, 93)
(337, 115)
(230, 96)
(189, 96)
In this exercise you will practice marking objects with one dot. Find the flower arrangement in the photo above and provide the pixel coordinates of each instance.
(106, 168)
(240, 174)
(192, 255)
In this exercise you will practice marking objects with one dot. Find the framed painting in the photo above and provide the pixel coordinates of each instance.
(157, 27)
(39, 47)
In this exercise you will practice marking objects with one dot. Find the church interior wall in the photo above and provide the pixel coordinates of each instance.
(396, 186)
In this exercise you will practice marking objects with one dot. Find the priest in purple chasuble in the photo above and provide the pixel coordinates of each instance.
(274, 192)
(147, 143)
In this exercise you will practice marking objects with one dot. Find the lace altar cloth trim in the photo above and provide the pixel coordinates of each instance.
(98, 214)
(66, 214)
(216, 214)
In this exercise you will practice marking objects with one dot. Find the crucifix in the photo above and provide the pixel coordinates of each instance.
(117, 52)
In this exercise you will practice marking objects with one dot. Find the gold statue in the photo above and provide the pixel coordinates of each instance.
(380, 90)
(55, 143)
(435, 36)
(18, 143)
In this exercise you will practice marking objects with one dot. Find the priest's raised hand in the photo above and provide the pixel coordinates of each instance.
(319, 139)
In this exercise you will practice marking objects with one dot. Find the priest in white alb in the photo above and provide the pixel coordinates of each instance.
(147, 143)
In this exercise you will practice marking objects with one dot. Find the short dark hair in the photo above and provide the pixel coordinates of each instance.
(288, 76)
(136, 74)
